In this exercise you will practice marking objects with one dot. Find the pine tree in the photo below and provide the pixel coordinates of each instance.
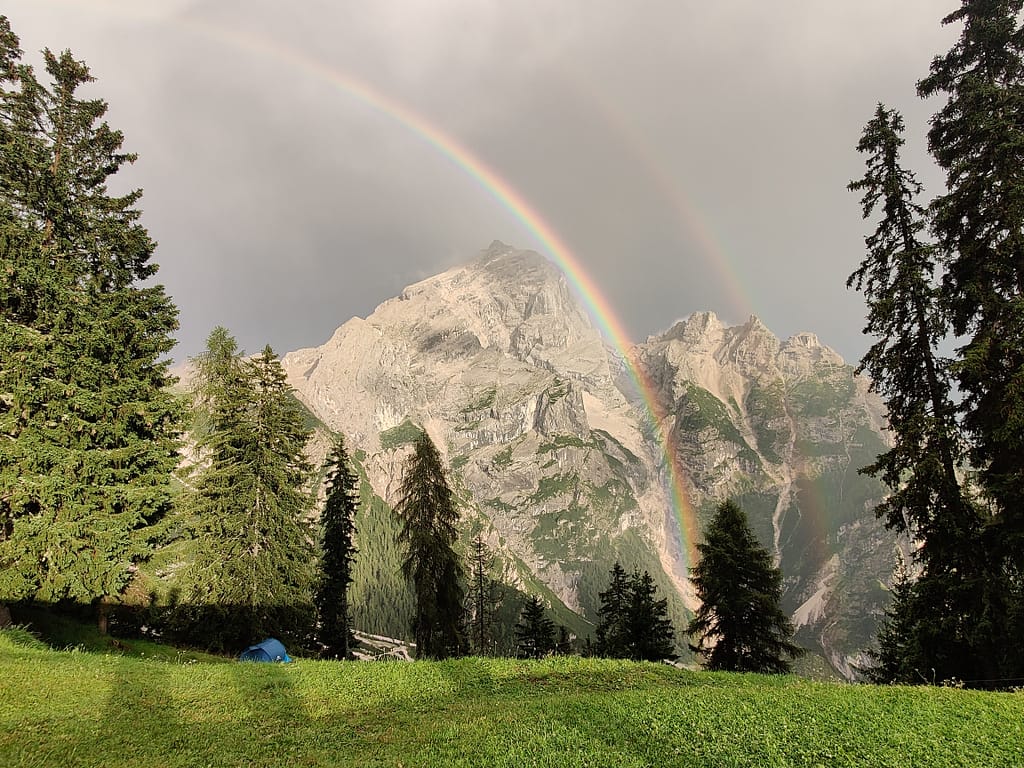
(739, 626)
(923, 466)
(337, 554)
(482, 597)
(535, 632)
(651, 637)
(429, 516)
(88, 426)
(613, 622)
(977, 137)
(252, 575)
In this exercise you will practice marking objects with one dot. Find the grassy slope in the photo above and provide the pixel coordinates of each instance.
(83, 709)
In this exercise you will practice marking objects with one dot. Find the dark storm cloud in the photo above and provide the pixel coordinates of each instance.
(692, 155)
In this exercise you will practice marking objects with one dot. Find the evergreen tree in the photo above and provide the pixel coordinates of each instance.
(613, 616)
(563, 644)
(535, 632)
(87, 425)
(337, 553)
(977, 137)
(632, 624)
(927, 501)
(219, 373)
(651, 637)
(252, 575)
(739, 626)
(897, 659)
(429, 516)
(482, 597)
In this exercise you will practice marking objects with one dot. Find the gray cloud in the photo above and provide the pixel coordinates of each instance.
(692, 155)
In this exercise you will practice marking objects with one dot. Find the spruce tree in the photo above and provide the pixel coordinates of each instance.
(563, 644)
(535, 632)
(337, 554)
(252, 574)
(977, 137)
(897, 658)
(429, 517)
(739, 626)
(88, 426)
(613, 616)
(482, 597)
(651, 637)
(922, 469)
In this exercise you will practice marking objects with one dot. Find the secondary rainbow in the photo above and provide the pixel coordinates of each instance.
(599, 309)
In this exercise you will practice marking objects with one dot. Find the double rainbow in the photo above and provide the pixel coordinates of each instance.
(598, 307)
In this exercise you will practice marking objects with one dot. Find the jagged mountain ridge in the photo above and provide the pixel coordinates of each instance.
(500, 364)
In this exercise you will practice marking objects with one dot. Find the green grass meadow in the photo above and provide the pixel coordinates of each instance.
(139, 708)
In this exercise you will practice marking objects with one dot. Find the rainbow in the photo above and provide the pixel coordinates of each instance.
(598, 307)
(682, 203)
(600, 310)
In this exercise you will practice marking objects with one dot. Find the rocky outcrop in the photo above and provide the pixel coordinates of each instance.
(783, 428)
(498, 362)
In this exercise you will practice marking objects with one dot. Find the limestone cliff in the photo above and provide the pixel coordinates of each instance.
(500, 364)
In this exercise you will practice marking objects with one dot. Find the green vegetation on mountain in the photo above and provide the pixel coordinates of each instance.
(766, 407)
(483, 402)
(564, 441)
(824, 393)
(405, 433)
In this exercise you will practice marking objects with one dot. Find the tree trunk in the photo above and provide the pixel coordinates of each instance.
(103, 617)
(5, 615)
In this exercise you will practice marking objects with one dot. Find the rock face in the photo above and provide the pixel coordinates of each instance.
(497, 361)
(782, 428)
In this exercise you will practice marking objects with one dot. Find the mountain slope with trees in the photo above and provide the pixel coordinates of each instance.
(553, 460)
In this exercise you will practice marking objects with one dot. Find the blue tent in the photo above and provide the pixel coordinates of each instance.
(269, 650)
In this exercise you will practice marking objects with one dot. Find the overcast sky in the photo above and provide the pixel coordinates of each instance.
(691, 155)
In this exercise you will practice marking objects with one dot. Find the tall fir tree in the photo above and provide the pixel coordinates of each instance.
(896, 658)
(922, 469)
(564, 645)
(218, 374)
(429, 517)
(482, 598)
(651, 636)
(739, 626)
(337, 554)
(977, 138)
(535, 632)
(252, 575)
(632, 623)
(613, 616)
(88, 427)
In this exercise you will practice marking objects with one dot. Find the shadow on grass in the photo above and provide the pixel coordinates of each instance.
(159, 713)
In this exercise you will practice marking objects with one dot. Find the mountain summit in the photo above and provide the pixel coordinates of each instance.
(560, 471)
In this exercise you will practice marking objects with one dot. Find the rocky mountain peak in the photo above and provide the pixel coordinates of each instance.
(802, 353)
(498, 362)
(700, 328)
